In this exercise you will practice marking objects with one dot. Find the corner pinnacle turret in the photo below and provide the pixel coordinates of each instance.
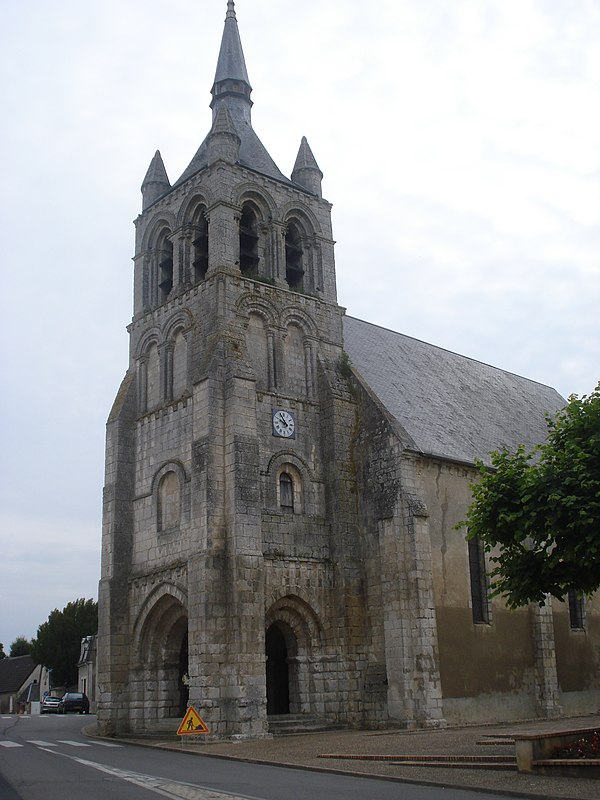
(156, 182)
(306, 171)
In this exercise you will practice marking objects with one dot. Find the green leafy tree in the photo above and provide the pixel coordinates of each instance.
(20, 647)
(538, 514)
(58, 640)
(2, 653)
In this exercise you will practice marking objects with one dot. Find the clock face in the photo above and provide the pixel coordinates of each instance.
(284, 424)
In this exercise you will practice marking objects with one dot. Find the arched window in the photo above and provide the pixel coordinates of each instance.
(248, 241)
(165, 265)
(169, 502)
(289, 489)
(294, 267)
(200, 245)
(286, 492)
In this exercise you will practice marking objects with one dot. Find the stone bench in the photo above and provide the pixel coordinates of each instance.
(534, 751)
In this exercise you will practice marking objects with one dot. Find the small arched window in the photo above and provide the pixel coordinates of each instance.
(294, 268)
(248, 241)
(289, 490)
(286, 492)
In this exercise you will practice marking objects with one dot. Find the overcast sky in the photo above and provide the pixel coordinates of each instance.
(459, 140)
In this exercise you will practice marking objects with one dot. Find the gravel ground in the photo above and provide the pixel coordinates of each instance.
(303, 750)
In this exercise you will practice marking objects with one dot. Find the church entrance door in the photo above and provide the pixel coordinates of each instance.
(278, 679)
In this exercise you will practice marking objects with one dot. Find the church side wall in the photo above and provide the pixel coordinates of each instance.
(511, 667)
(578, 657)
(487, 670)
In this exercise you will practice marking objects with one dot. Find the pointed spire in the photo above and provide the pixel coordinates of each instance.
(231, 91)
(231, 84)
(306, 171)
(156, 182)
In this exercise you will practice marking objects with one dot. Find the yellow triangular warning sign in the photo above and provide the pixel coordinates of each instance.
(191, 723)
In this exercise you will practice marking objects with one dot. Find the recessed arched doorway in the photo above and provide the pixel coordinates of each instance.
(160, 684)
(277, 641)
(294, 651)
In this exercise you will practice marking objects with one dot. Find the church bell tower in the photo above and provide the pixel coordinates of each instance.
(218, 531)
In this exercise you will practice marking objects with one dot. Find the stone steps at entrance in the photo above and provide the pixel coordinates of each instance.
(290, 724)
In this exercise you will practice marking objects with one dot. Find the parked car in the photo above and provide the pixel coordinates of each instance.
(74, 701)
(49, 705)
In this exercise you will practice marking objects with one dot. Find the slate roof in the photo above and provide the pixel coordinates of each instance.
(450, 406)
(231, 62)
(253, 154)
(14, 672)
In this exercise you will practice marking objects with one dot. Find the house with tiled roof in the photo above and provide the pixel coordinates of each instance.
(22, 682)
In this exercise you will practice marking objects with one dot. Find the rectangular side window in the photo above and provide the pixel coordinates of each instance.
(479, 584)
(576, 611)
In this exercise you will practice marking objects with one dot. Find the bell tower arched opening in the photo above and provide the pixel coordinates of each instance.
(200, 245)
(248, 241)
(165, 266)
(294, 268)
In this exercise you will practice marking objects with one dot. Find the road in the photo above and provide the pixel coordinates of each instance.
(50, 758)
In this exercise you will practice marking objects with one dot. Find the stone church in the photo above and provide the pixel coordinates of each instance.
(283, 481)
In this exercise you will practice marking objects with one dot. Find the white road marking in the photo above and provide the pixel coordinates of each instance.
(107, 744)
(40, 743)
(73, 744)
(10, 744)
(162, 786)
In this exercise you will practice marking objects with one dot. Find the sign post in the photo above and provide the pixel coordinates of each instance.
(192, 723)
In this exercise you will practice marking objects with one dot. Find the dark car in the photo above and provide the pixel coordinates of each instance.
(74, 701)
(50, 705)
